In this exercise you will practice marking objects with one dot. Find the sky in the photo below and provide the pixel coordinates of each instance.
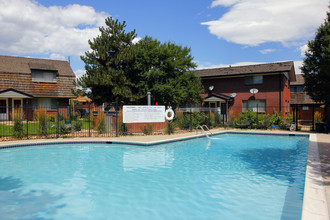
(219, 32)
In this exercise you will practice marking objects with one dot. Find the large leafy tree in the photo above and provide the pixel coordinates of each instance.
(106, 65)
(316, 66)
(118, 70)
(165, 70)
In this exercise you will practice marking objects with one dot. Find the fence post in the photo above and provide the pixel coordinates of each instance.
(89, 119)
(27, 118)
(313, 118)
(117, 113)
(190, 118)
(58, 120)
(257, 114)
(296, 117)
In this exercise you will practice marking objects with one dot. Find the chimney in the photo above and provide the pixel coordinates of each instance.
(69, 59)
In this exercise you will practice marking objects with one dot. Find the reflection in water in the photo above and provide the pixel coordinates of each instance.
(14, 204)
(148, 158)
(8, 183)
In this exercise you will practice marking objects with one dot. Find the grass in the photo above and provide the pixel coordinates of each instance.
(8, 130)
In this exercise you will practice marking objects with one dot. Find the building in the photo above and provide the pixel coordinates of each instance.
(260, 88)
(30, 82)
(303, 104)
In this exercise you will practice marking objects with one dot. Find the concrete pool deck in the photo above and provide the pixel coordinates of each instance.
(317, 185)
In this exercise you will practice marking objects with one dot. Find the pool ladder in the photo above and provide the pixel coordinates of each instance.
(204, 129)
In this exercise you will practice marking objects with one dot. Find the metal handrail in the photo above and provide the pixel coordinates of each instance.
(202, 128)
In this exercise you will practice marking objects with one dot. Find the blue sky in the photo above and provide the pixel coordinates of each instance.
(219, 32)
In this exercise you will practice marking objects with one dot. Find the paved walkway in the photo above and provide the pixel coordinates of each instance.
(324, 151)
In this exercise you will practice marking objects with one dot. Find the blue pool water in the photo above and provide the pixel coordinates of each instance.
(230, 176)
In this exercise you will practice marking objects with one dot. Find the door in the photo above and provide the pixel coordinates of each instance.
(3, 110)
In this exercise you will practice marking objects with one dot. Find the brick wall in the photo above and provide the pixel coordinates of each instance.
(269, 90)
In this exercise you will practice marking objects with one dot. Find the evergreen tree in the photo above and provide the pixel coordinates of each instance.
(106, 65)
(316, 66)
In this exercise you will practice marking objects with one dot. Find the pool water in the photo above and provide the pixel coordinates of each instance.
(229, 176)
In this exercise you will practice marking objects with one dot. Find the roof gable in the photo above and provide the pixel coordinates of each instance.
(13, 93)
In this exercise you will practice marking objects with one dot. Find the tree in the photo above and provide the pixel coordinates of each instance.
(106, 65)
(118, 70)
(165, 70)
(316, 66)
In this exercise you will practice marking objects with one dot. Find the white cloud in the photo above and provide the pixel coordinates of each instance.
(253, 22)
(79, 73)
(266, 51)
(55, 56)
(224, 3)
(31, 28)
(297, 66)
(136, 40)
(212, 66)
(303, 49)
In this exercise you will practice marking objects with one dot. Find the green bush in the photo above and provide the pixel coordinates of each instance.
(170, 128)
(101, 126)
(217, 119)
(42, 118)
(77, 125)
(51, 118)
(276, 117)
(146, 129)
(18, 125)
(63, 129)
(246, 120)
(183, 121)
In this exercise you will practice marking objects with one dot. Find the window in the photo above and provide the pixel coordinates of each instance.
(254, 105)
(43, 76)
(297, 89)
(46, 103)
(251, 80)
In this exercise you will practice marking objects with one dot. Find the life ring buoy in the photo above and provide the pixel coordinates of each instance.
(169, 114)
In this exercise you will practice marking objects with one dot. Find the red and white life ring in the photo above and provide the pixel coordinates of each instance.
(169, 114)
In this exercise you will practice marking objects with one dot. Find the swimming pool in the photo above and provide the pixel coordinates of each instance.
(230, 176)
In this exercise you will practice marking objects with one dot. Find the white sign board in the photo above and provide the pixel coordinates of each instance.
(143, 113)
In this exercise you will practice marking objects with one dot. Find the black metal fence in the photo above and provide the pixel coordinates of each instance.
(91, 121)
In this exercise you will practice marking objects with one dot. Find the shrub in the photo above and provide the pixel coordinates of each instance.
(170, 128)
(217, 119)
(77, 125)
(184, 120)
(246, 119)
(18, 124)
(276, 117)
(146, 129)
(51, 118)
(122, 127)
(318, 117)
(41, 116)
(63, 129)
(100, 122)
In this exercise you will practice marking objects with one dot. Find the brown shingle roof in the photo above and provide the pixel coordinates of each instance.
(249, 69)
(10, 64)
(299, 80)
(15, 73)
(301, 97)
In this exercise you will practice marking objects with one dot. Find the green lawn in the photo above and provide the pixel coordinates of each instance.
(33, 128)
